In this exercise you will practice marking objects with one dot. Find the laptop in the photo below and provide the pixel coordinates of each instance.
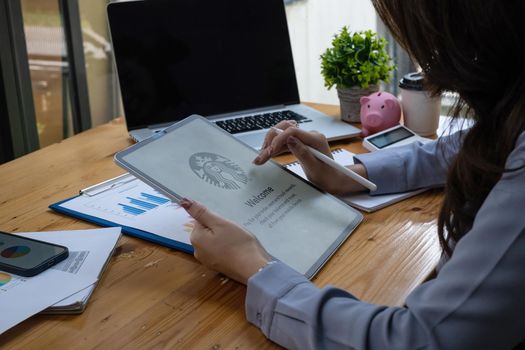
(230, 61)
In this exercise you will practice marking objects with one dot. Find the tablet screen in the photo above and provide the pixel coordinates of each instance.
(294, 221)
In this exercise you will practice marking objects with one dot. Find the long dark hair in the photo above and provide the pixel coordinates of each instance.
(474, 48)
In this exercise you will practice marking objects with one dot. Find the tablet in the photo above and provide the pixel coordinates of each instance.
(296, 222)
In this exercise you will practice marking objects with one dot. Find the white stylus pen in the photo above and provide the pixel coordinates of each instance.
(330, 162)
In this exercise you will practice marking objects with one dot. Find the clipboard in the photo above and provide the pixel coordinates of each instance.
(112, 189)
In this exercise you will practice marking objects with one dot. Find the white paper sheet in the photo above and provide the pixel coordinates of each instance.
(22, 297)
(89, 251)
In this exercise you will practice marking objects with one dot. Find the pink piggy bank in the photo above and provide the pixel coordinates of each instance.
(379, 111)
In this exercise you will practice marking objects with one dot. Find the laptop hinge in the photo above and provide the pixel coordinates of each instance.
(245, 112)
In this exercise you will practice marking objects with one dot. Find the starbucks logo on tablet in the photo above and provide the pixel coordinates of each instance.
(218, 170)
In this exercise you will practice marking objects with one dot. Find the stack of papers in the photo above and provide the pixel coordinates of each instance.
(64, 288)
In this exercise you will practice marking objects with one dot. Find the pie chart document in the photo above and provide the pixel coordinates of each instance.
(297, 223)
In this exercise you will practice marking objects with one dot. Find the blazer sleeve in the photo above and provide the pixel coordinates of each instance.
(477, 301)
(412, 166)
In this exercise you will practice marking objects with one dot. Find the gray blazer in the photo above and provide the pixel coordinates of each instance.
(477, 300)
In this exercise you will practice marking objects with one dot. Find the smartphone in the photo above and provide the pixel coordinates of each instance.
(28, 257)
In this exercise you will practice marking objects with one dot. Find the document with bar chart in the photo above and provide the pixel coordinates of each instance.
(136, 207)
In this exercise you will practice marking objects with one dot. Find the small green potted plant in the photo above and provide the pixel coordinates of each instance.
(355, 64)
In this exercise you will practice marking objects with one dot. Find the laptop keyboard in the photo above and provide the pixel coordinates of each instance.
(259, 121)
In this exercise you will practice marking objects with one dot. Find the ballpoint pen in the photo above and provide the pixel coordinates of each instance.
(108, 184)
(330, 162)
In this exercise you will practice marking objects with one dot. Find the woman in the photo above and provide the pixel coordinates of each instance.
(477, 300)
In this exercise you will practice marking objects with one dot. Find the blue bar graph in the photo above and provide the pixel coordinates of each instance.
(131, 210)
(154, 199)
(142, 204)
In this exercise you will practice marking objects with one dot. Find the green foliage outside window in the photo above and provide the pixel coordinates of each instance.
(356, 59)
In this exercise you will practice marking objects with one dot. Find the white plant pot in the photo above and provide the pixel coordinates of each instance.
(349, 101)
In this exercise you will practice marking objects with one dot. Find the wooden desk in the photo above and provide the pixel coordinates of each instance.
(155, 297)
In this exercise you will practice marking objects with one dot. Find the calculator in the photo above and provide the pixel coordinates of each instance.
(398, 135)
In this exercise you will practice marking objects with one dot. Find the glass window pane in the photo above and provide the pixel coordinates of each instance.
(312, 24)
(48, 66)
(104, 96)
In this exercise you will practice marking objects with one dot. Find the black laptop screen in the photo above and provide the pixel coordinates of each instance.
(180, 57)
